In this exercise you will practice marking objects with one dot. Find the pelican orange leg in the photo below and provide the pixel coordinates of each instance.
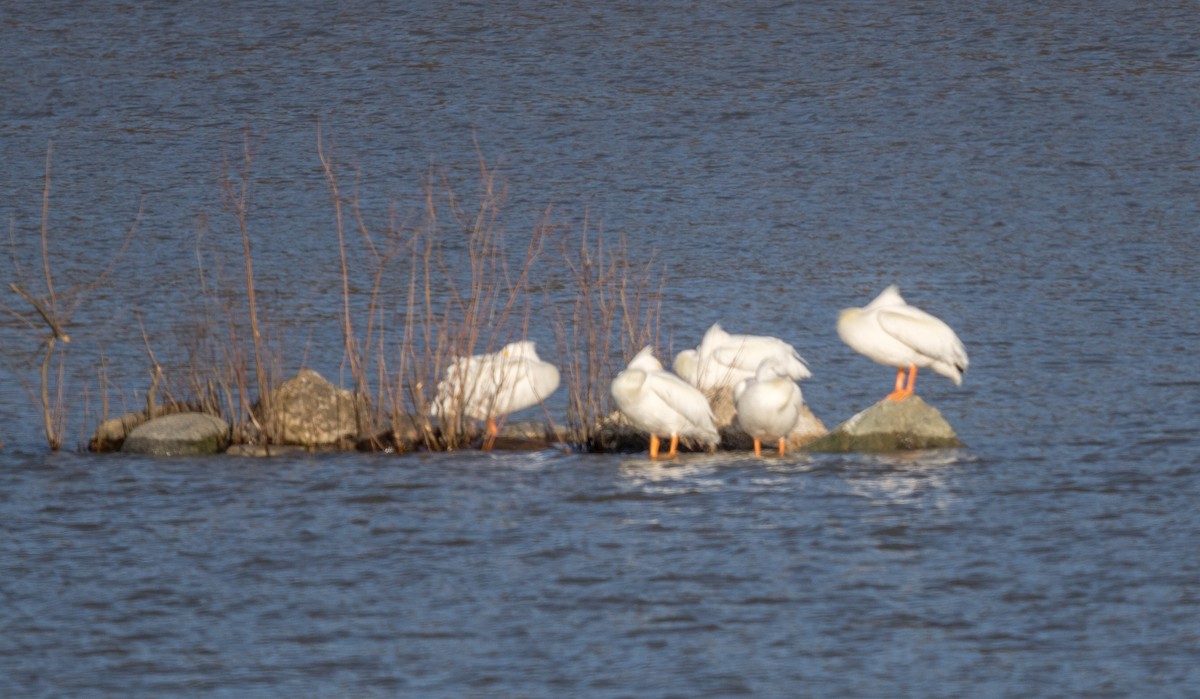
(904, 389)
(654, 445)
(492, 431)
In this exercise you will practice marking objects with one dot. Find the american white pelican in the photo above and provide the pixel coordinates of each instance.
(723, 359)
(489, 386)
(661, 403)
(893, 333)
(687, 365)
(768, 405)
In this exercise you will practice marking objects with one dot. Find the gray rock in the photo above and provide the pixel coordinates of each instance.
(110, 435)
(890, 426)
(179, 435)
(308, 410)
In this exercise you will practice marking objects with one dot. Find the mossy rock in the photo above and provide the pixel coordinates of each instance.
(890, 426)
(182, 434)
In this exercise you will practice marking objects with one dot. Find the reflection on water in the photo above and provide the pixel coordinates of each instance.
(912, 478)
(689, 467)
(909, 488)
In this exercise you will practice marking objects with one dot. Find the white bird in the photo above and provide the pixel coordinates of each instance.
(661, 403)
(723, 359)
(490, 386)
(687, 365)
(768, 405)
(895, 334)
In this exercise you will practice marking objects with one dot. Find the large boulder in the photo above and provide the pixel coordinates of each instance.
(110, 434)
(890, 426)
(181, 434)
(307, 410)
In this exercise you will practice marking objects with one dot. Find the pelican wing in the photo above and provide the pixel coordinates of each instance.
(925, 334)
(750, 354)
(687, 366)
(713, 338)
(681, 397)
(489, 385)
(478, 386)
(745, 355)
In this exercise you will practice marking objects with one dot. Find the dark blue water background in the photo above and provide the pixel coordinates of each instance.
(1029, 173)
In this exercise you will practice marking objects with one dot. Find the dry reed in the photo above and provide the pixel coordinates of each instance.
(461, 296)
(54, 310)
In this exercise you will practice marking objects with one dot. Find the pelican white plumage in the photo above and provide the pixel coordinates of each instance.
(687, 365)
(490, 386)
(895, 334)
(768, 405)
(723, 359)
(661, 403)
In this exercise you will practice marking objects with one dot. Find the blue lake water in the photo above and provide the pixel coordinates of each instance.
(1030, 174)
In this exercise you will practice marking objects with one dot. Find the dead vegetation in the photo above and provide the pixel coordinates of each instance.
(416, 293)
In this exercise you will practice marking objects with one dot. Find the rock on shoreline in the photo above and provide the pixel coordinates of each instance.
(308, 410)
(181, 434)
(890, 426)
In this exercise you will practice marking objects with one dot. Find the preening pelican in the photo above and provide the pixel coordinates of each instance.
(895, 334)
(687, 365)
(490, 386)
(768, 405)
(724, 360)
(661, 403)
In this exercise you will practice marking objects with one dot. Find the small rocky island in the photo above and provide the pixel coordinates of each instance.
(314, 414)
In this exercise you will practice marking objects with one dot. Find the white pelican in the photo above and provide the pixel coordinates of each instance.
(687, 366)
(661, 403)
(893, 333)
(489, 386)
(724, 360)
(768, 405)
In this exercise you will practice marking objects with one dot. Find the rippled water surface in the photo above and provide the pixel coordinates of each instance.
(1029, 173)
(514, 574)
